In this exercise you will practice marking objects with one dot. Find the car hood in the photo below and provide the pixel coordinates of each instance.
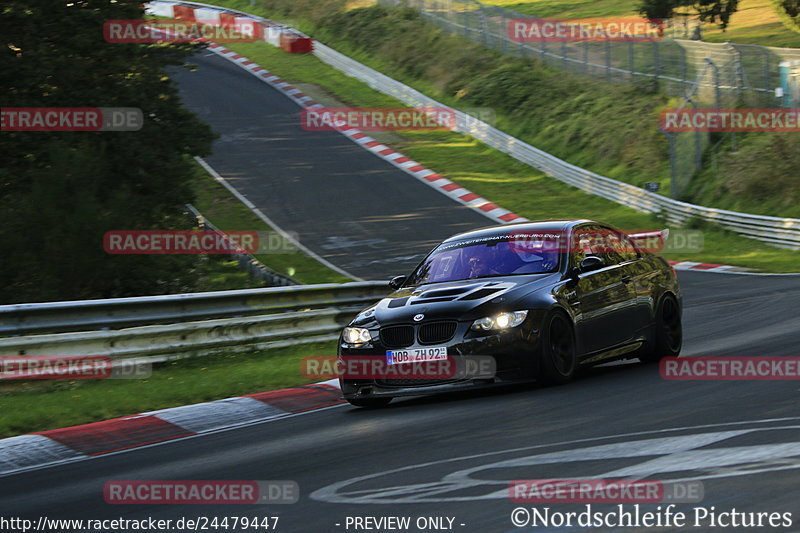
(465, 299)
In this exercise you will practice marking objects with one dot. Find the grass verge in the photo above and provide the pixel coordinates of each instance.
(608, 128)
(755, 22)
(60, 403)
(40, 405)
(502, 179)
(226, 212)
(219, 273)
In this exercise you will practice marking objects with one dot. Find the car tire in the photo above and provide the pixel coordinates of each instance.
(559, 361)
(668, 334)
(370, 403)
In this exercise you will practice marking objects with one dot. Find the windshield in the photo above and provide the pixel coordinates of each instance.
(491, 256)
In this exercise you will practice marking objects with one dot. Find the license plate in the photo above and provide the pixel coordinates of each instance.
(416, 355)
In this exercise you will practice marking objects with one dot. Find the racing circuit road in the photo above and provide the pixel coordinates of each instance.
(344, 203)
(452, 456)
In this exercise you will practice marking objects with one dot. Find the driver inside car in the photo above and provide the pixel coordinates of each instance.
(535, 257)
(482, 262)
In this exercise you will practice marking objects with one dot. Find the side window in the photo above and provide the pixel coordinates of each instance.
(580, 246)
(625, 248)
(617, 247)
(598, 241)
(591, 240)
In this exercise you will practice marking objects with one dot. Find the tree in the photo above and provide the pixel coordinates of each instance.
(61, 191)
(716, 11)
(658, 9)
(712, 11)
(792, 8)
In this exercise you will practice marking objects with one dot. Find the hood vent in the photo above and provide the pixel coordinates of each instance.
(431, 300)
(449, 291)
(472, 291)
(399, 302)
(480, 294)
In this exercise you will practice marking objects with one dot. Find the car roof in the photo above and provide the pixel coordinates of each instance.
(539, 225)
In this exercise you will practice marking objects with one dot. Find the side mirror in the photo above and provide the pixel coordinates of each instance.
(592, 262)
(588, 264)
(397, 282)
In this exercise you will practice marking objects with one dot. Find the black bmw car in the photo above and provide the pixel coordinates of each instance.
(538, 299)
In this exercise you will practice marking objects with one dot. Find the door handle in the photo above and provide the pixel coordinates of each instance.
(626, 279)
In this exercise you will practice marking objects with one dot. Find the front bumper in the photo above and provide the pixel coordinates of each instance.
(352, 390)
(515, 355)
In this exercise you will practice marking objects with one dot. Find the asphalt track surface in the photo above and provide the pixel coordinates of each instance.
(741, 439)
(453, 455)
(343, 202)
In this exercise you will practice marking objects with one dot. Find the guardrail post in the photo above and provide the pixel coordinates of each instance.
(484, 25)
(656, 63)
(631, 62)
(503, 31)
(768, 88)
(698, 147)
(715, 82)
(684, 69)
(673, 170)
(586, 56)
(738, 70)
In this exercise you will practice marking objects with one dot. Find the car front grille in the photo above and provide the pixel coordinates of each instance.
(397, 336)
(436, 332)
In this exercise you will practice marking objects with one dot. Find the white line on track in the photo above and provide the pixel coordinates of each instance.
(260, 214)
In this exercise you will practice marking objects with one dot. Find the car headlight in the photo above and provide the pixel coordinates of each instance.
(501, 321)
(356, 336)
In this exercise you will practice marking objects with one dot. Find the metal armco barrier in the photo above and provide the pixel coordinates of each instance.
(247, 262)
(171, 341)
(271, 31)
(117, 313)
(167, 327)
(745, 71)
(783, 232)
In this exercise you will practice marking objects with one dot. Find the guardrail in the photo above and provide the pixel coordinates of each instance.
(167, 327)
(116, 313)
(783, 232)
(674, 61)
(247, 262)
(277, 26)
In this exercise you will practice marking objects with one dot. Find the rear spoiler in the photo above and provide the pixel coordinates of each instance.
(650, 241)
